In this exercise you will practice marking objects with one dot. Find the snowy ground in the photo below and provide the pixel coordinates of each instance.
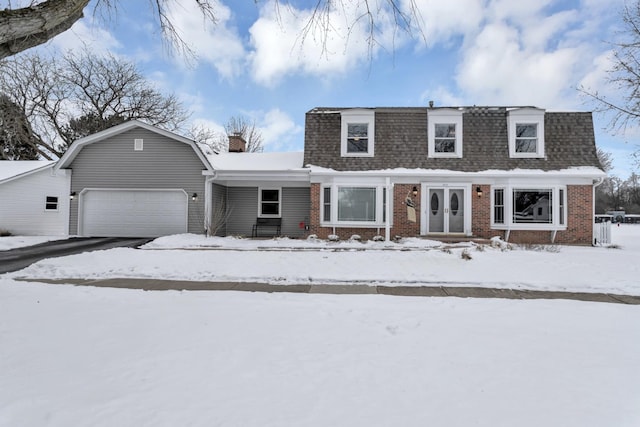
(84, 356)
(411, 262)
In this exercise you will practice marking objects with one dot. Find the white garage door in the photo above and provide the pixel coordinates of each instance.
(133, 213)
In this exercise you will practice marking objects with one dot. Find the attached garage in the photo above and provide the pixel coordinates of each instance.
(133, 213)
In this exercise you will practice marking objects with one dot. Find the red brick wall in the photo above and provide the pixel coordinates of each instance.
(401, 224)
(579, 218)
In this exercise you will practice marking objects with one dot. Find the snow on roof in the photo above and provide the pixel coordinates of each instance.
(256, 161)
(576, 171)
(12, 168)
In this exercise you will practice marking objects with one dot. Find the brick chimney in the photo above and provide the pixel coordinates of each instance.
(237, 144)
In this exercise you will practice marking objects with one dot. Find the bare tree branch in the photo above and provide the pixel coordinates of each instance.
(30, 26)
(624, 74)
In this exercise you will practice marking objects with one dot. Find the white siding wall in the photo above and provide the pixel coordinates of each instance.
(22, 204)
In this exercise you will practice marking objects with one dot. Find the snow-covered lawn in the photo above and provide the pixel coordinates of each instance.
(411, 262)
(85, 356)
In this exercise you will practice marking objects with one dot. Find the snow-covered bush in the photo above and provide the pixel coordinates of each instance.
(312, 237)
(355, 238)
(333, 237)
(465, 255)
(498, 243)
(377, 238)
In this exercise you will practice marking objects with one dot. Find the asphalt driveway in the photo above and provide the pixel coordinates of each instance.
(19, 258)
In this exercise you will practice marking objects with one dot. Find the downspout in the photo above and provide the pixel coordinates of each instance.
(593, 208)
(387, 208)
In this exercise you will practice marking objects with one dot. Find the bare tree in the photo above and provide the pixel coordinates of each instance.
(239, 125)
(207, 136)
(64, 98)
(25, 27)
(624, 75)
(605, 158)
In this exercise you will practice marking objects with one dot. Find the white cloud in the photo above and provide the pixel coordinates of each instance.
(286, 42)
(80, 35)
(442, 20)
(524, 55)
(279, 131)
(217, 44)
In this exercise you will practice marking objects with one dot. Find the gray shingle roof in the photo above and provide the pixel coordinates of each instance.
(401, 141)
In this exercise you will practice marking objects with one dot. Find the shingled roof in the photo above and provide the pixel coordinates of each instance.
(401, 141)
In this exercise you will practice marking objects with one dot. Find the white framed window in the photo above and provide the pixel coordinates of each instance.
(529, 207)
(357, 133)
(525, 127)
(444, 133)
(269, 200)
(138, 144)
(51, 203)
(353, 205)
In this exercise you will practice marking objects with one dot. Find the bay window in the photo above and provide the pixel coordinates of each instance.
(529, 207)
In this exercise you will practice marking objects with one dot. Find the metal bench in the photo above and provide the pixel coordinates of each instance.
(273, 224)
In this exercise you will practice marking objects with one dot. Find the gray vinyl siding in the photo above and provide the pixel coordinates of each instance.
(243, 203)
(219, 207)
(162, 164)
(295, 209)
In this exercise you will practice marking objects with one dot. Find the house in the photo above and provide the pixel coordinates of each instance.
(521, 173)
(33, 201)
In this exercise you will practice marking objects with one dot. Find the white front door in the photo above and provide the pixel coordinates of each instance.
(445, 210)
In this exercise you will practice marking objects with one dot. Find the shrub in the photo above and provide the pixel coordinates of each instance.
(4, 233)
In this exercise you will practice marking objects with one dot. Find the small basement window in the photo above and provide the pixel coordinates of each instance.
(138, 144)
(51, 203)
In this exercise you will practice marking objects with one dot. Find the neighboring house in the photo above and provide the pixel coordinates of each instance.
(33, 201)
(524, 174)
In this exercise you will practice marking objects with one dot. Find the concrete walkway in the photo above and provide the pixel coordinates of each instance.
(356, 289)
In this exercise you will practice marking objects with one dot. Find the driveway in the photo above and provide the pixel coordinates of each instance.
(19, 258)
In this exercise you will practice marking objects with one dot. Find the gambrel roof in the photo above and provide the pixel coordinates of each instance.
(401, 141)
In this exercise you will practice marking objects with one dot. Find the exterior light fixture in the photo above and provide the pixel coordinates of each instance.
(194, 197)
(72, 195)
(415, 191)
(479, 191)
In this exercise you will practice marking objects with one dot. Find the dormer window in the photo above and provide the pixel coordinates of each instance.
(358, 133)
(526, 132)
(445, 133)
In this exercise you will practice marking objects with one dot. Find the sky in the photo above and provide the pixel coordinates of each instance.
(258, 62)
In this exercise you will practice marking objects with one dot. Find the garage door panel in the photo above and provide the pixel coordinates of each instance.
(135, 213)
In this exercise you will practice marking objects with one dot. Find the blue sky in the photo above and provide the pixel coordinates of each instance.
(477, 52)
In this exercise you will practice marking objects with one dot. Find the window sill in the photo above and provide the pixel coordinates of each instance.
(529, 227)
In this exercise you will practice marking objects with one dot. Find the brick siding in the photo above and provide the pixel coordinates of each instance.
(579, 218)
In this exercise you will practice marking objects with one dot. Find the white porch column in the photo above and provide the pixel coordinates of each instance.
(387, 225)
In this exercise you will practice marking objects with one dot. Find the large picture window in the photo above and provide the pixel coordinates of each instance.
(533, 206)
(356, 204)
(529, 207)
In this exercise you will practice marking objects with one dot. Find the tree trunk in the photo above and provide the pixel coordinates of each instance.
(27, 27)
